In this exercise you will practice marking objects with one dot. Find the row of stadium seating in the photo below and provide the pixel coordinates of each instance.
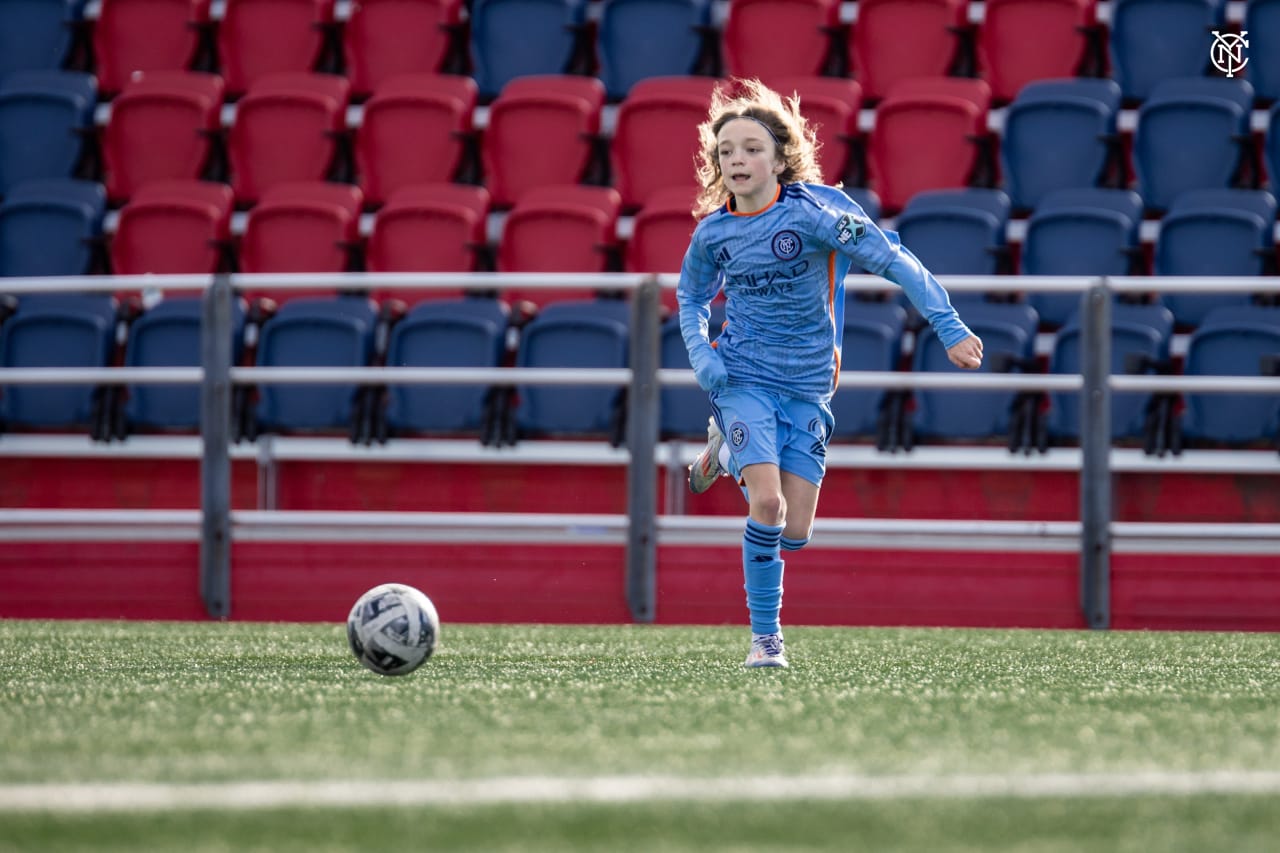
(1192, 133)
(354, 331)
(625, 41)
(55, 227)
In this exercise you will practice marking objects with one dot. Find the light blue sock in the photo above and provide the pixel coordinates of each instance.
(762, 567)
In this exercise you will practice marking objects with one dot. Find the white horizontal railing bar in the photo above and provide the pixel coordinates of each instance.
(453, 451)
(101, 375)
(96, 525)
(1198, 384)
(962, 283)
(170, 447)
(429, 281)
(358, 526)
(572, 376)
(1194, 284)
(104, 283)
(934, 381)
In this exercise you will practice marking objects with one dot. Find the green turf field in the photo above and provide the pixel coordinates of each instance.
(272, 737)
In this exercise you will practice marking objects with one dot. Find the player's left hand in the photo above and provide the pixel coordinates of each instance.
(967, 353)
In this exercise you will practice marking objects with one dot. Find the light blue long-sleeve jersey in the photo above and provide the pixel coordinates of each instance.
(783, 269)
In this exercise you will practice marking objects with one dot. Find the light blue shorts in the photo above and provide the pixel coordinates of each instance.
(763, 426)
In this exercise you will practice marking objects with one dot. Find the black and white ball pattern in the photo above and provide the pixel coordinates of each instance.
(393, 629)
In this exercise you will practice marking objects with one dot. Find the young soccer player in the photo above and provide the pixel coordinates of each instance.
(780, 244)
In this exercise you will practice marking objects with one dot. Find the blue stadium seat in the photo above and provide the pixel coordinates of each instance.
(1191, 132)
(573, 334)
(169, 335)
(1057, 136)
(515, 38)
(684, 410)
(956, 232)
(70, 330)
(445, 333)
(47, 227)
(1008, 333)
(1262, 23)
(36, 34)
(1155, 40)
(1233, 341)
(649, 38)
(1271, 149)
(1214, 233)
(45, 116)
(1079, 232)
(1140, 336)
(866, 199)
(872, 341)
(314, 333)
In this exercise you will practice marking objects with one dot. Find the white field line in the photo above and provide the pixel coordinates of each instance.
(233, 796)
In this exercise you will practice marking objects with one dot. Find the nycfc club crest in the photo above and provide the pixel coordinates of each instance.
(1227, 52)
(786, 245)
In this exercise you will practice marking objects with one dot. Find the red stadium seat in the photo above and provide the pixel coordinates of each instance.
(413, 131)
(259, 37)
(301, 227)
(173, 227)
(926, 137)
(285, 130)
(656, 138)
(560, 229)
(896, 40)
(386, 38)
(831, 105)
(1025, 40)
(428, 228)
(160, 128)
(661, 232)
(775, 38)
(560, 112)
(145, 35)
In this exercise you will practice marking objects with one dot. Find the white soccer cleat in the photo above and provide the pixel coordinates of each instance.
(706, 469)
(766, 650)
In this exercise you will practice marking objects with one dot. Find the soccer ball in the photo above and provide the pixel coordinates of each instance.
(392, 629)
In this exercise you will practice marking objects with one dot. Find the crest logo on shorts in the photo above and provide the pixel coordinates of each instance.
(786, 245)
(738, 435)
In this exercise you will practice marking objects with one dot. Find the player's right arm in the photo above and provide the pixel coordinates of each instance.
(699, 283)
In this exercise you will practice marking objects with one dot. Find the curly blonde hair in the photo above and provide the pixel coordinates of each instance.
(753, 99)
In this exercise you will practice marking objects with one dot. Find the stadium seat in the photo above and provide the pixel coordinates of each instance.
(414, 130)
(559, 229)
(452, 333)
(36, 35)
(261, 37)
(1008, 333)
(1215, 233)
(301, 227)
(1058, 134)
(752, 46)
(1233, 342)
(1140, 336)
(386, 38)
(174, 227)
(656, 139)
(1020, 41)
(169, 335)
(45, 119)
(872, 340)
(56, 331)
(927, 137)
(831, 105)
(578, 334)
(1262, 22)
(285, 130)
(562, 113)
(649, 38)
(867, 200)
(428, 228)
(50, 227)
(957, 232)
(1272, 149)
(516, 38)
(683, 410)
(892, 41)
(1191, 135)
(162, 126)
(146, 35)
(1157, 40)
(314, 333)
(1080, 232)
(661, 232)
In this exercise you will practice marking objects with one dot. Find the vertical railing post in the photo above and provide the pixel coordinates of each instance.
(215, 464)
(642, 441)
(1095, 445)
